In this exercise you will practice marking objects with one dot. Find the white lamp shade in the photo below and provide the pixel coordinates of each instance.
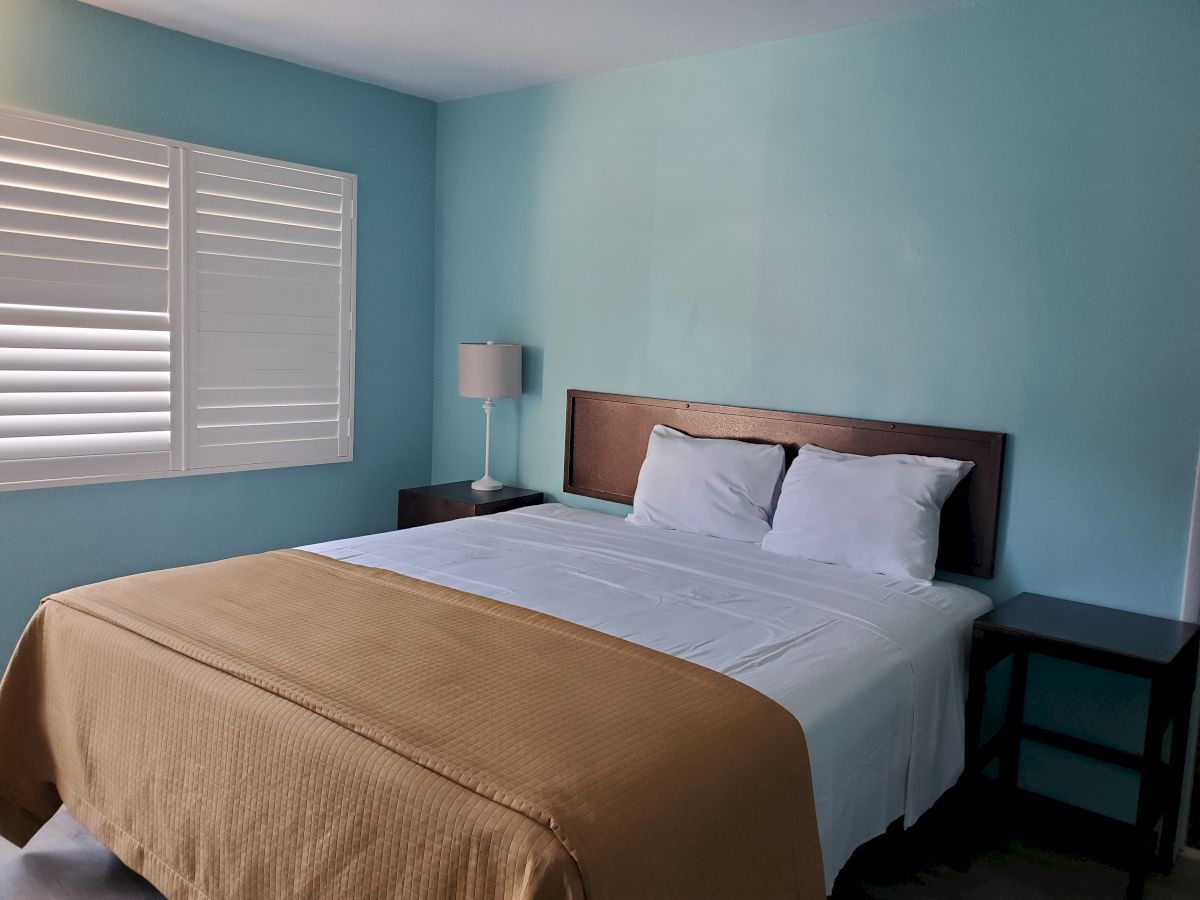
(489, 370)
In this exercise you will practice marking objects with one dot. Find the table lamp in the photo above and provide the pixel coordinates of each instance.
(489, 371)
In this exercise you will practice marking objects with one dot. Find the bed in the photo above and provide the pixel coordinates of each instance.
(871, 668)
(874, 670)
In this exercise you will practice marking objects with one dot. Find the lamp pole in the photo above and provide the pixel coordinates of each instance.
(487, 482)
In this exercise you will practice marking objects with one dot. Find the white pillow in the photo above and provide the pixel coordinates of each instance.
(875, 513)
(707, 486)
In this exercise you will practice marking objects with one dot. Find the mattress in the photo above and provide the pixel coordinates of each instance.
(873, 667)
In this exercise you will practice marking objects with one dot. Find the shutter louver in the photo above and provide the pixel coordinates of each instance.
(270, 263)
(85, 336)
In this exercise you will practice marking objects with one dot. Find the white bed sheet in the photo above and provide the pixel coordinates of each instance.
(873, 667)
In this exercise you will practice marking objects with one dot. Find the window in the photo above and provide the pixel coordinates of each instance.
(168, 309)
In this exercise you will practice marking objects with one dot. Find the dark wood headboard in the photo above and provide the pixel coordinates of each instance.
(607, 436)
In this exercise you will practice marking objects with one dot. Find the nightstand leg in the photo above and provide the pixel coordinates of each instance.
(1181, 707)
(1010, 760)
(1149, 792)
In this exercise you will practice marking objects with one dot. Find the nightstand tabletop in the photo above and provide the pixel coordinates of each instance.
(433, 503)
(1137, 636)
(461, 492)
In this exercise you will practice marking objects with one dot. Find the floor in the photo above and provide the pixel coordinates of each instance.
(1028, 854)
(63, 862)
(1193, 837)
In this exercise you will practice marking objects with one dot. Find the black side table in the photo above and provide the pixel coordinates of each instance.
(446, 502)
(1161, 650)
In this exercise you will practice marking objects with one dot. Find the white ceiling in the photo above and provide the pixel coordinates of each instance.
(448, 49)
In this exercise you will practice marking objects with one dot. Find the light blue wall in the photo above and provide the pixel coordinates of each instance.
(62, 57)
(985, 218)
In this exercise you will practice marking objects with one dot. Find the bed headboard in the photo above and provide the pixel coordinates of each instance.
(607, 436)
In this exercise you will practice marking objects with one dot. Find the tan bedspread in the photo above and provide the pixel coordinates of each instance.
(286, 725)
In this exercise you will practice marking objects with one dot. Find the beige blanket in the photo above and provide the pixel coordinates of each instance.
(285, 725)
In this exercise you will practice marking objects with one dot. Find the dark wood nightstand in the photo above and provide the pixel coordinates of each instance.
(1161, 650)
(445, 502)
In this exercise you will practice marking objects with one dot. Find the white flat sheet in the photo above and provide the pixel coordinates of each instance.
(873, 667)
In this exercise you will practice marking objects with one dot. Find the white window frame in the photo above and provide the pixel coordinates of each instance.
(182, 311)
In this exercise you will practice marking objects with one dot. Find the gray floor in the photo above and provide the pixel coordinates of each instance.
(1028, 873)
(1017, 847)
(63, 862)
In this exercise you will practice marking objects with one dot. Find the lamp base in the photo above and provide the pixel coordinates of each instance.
(486, 483)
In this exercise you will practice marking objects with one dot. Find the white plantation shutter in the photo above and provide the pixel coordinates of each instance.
(167, 308)
(85, 334)
(270, 264)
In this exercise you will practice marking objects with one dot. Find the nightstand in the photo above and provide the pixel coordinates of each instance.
(445, 502)
(1163, 651)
